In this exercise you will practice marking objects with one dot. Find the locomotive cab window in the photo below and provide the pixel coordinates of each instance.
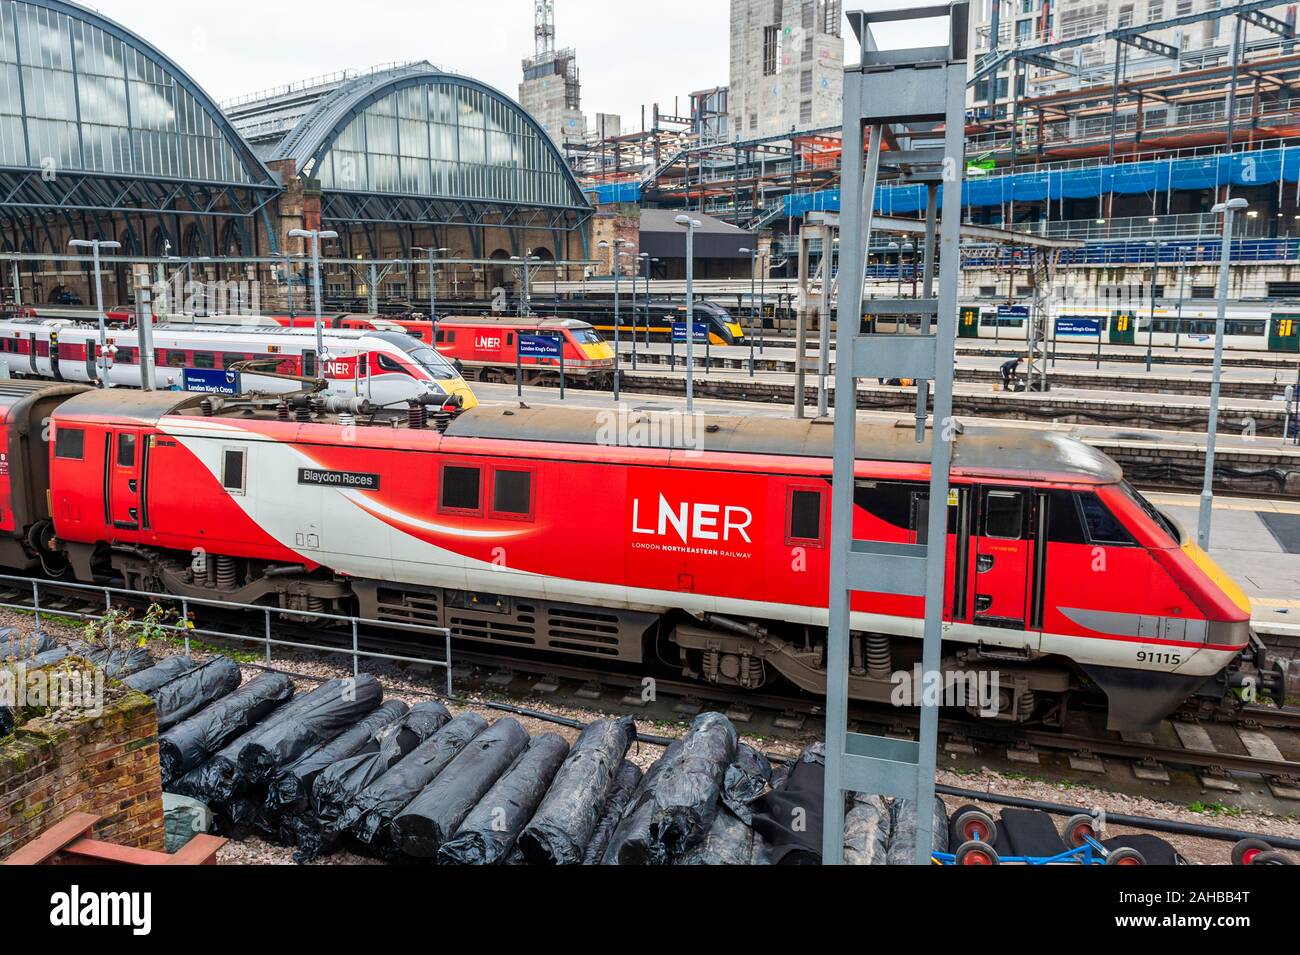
(1103, 526)
(69, 443)
(232, 469)
(126, 449)
(460, 487)
(805, 510)
(1004, 513)
(512, 493)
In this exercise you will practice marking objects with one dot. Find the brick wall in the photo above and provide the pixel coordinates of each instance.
(105, 764)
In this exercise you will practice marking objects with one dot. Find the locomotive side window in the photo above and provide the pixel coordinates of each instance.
(805, 525)
(1004, 513)
(232, 469)
(512, 493)
(126, 449)
(69, 443)
(1103, 526)
(1063, 523)
(460, 488)
(388, 364)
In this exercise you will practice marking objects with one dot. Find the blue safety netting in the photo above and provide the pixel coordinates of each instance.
(1256, 168)
(615, 192)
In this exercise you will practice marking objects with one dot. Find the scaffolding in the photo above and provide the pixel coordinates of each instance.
(914, 101)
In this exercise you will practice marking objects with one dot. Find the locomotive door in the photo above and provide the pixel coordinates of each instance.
(122, 475)
(1003, 552)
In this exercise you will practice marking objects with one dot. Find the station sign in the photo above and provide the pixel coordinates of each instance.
(1089, 327)
(701, 332)
(539, 346)
(1020, 312)
(212, 381)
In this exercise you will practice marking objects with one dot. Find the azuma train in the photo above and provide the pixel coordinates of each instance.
(557, 532)
(384, 368)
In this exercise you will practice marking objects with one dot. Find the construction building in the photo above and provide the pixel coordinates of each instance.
(787, 66)
(550, 90)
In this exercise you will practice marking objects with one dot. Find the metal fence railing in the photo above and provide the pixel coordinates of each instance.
(266, 639)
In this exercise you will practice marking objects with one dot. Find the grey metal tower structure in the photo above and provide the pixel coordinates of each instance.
(914, 100)
(544, 27)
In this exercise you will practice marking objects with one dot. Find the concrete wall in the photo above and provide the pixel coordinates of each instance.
(809, 69)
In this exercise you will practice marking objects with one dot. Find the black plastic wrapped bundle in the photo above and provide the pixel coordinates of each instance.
(902, 842)
(6, 721)
(290, 790)
(188, 744)
(370, 816)
(789, 818)
(488, 834)
(630, 843)
(317, 717)
(745, 780)
(45, 658)
(164, 671)
(343, 781)
(218, 782)
(19, 647)
(867, 828)
(434, 816)
(625, 784)
(686, 794)
(561, 830)
(180, 698)
(117, 661)
(728, 842)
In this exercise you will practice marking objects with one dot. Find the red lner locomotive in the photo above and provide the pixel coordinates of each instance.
(576, 532)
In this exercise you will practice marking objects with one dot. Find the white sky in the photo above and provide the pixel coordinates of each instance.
(629, 53)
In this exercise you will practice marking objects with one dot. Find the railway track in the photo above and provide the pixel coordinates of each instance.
(1251, 755)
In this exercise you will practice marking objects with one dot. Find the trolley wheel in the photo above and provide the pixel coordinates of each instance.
(975, 852)
(1076, 827)
(1244, 852)
(975, 825)
(1125, 856)
(1272, 857)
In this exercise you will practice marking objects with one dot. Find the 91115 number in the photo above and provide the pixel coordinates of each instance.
(1160, 657)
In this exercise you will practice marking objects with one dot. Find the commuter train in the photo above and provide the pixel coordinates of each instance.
(487, 348)
(637, 539)
(1246, 327)
(384, 368)
(652, 320)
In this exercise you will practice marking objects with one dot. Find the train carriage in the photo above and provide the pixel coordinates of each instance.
(541, 530)
(384, 368)
(487, 348)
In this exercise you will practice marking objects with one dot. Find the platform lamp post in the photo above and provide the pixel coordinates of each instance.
(642, 267)
(433, 289)
(526, 307)
(1154, 246)
(315, 235)
(753, 268)
(690, 225)
(615, 247)
(1226, 209)
(95, 245)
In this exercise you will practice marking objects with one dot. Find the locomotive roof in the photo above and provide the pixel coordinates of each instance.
(977, 449)
(515, 321)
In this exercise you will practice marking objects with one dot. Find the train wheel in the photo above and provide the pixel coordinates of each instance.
(975, 825)
(1076, 827)
(1245, 851)
(1125, 856)
(1273, 857)
(975, 852)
